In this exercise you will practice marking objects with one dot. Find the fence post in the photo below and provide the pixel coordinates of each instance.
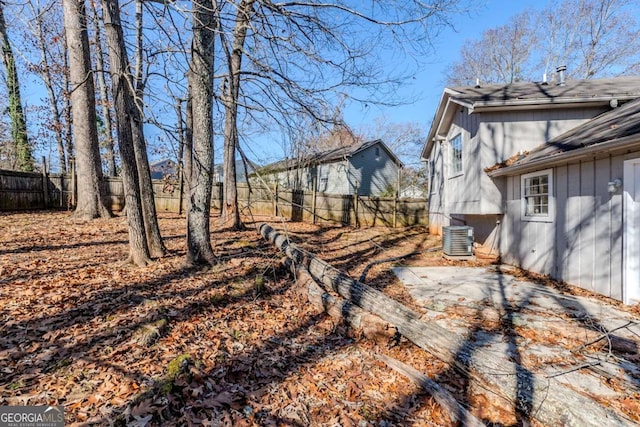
(74, 184)
(355, 206)
(45, 183)
(313, 200)
(275, 201)
(180, 187)
(395, 209)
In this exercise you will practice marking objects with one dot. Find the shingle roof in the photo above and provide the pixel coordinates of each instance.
(327, 156)
(614, 126)
(528, 95)
(537, 91)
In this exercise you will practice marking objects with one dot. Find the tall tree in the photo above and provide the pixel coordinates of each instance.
(45, 31)
(593, 38)
(501, 55)
(107, 127)
(125, 107)
(137, 85)
(606, 40)
(22, 148)
(230, 93)
(90, 202)
(200, 127)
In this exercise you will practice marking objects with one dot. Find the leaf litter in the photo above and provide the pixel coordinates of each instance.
(234, 344)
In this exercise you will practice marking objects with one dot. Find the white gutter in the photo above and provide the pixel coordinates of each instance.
(632, 141)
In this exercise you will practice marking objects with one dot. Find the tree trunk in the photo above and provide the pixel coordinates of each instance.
(150, 216)
(531, 396)
(231, 90)
(22, 148)
(45, 73)
(199, 249)
(125, 111)
(67, 110)
(90, 203)
(181, 151)
(188, 144)
(104, 96)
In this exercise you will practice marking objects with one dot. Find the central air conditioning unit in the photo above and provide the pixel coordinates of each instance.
(457, 241)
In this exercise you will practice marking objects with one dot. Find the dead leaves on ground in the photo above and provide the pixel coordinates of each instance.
(165, 345)
(233, 345)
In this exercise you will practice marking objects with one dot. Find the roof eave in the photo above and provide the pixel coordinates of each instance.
(545, 103)
(577, 154)
(437, 122)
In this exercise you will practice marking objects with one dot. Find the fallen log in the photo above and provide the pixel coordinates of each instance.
(359, 320)
(532, 396)
(374, 328)
(456, 411)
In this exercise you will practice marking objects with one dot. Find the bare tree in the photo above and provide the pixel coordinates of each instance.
(102, 86)
(46, 32)
(609, 41)
(405, 139)
(200, 124)
(123, 96)
(22, 148)
(287, 59)
(501, 55)
(230, 94)
(154, 238)
(90, 203)
(593, 38)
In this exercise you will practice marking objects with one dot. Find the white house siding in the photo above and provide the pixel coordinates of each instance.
(583, 244)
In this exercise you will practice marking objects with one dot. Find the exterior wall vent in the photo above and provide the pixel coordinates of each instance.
(457, 240)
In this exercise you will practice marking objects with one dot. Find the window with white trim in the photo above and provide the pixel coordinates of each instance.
(537, 196)
(456, 154)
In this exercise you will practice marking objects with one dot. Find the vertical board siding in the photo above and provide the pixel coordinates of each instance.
(602, 235)
(615, 245)
(437, 218)
(572, 225)
(561, 178)
(588, 226)
(503, 135)
(371, 174)
(583, 245)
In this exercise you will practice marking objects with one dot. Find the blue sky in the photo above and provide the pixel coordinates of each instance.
(428, 84)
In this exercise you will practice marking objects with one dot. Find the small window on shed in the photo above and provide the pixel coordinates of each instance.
(377, 151)
(537, 196)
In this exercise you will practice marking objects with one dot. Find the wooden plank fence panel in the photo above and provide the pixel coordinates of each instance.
(19, 190)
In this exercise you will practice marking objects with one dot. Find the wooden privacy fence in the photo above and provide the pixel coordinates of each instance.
(22, 191)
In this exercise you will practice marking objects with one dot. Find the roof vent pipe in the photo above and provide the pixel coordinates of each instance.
(544, 79)
(560, 70)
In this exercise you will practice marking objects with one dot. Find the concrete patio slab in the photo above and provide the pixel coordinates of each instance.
(494, 286)
(590, 344)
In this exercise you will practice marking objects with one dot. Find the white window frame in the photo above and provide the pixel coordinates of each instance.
(452, 161)
(537, 217)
